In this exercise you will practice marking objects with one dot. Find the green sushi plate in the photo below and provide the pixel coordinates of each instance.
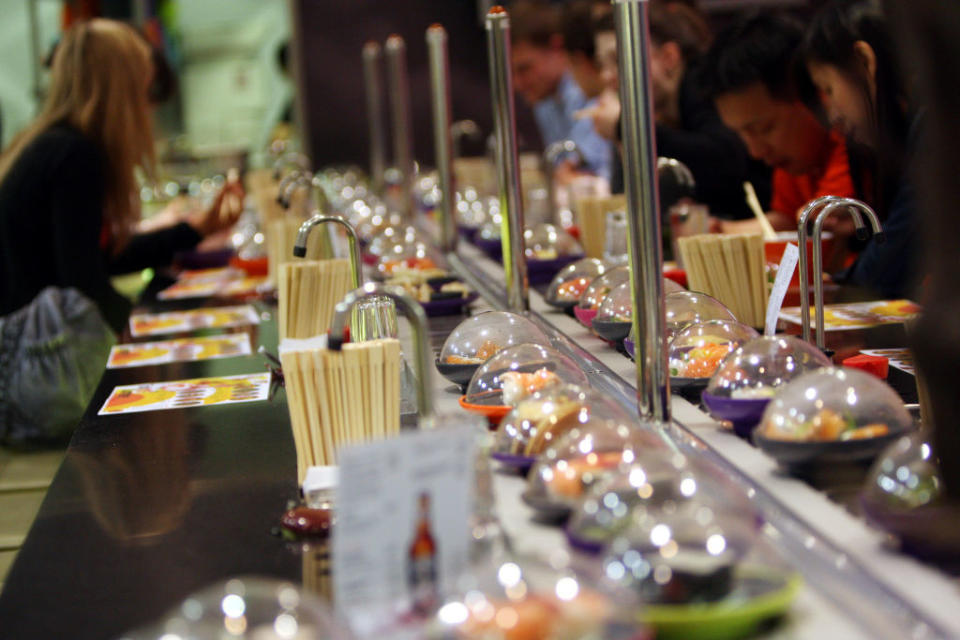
(758, 595)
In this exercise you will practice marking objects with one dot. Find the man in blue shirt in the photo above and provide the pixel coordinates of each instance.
(542, 76)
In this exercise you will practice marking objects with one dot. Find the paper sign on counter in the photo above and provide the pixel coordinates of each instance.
(179, 394)
(402, 534)
(138, 354)
(788, 264)
(150, 324)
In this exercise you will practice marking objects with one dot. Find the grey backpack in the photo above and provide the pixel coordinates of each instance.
(52, 354)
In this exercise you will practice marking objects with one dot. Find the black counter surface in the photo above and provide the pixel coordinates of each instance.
(148, 507)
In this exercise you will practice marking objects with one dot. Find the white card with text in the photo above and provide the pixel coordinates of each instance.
(402, 532)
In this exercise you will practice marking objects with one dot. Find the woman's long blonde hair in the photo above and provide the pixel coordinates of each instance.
(99, 84)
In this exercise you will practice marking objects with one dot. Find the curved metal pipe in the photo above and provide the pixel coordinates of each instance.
(290, 159)
(854, 207)
(300, 246)
(808, 210)
(418, 321)
(289, 185)
(679, 170)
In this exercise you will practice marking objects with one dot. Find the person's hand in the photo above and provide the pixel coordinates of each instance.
(605, 113)
(223, 212)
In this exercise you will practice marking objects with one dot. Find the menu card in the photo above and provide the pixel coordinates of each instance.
(179, 394)
(150, 324)
(900, 358)
(138, 354)
(402, 534)
(858, 315)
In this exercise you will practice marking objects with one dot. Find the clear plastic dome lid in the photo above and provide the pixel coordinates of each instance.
(601, 286)
(378, 219)
(684, 308)
(905, 476)
(473, 210)
(538, 421)
(831, 404)
(491, 229)
(254, 608)
(481, 336)
(549, 242)
(696, 352)
(584, 455)
(758, 368)
(679, 544)
(516, 372)
(522, 598)
(617, 306)
(408, 257)
(386, 240)
(660, 488)
(571, 281)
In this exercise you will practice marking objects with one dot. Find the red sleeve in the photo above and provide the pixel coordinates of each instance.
(836, 179)
(788, 192)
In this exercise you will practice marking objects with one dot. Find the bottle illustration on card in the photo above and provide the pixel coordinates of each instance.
(422, 563)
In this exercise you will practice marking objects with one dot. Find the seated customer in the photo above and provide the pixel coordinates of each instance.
(852, 60)
(69, 199)
(750, 73)
(577, 22)
(542, 76)
(687, 125)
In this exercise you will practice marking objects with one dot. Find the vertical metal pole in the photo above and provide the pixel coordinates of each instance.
(640, 180)
(442, 143)
(399, 86)
(378, 143)
(508, 166)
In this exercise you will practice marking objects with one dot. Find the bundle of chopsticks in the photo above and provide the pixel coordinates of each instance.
(731, 269)
(308, 291)
(592, 219)
(338, 397)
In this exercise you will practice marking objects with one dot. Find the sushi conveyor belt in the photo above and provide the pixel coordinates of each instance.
(857, 586)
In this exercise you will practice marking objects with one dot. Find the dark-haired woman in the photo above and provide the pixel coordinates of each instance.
(851, 58)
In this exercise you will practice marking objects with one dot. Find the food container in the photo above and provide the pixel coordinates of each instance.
(749, 377)
(696, 351)
(386, 240)
(615, 314)
(538, 421)
(582, 456)
(683, 308)
(903, 495)
(405, 259)
(526, 598)
(594, 294)
(682, 530)
(569, 284)
(479, 337)
(515, 373)
(247, 608)
(829, 416)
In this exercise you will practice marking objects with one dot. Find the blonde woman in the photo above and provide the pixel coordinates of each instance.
(68, 196)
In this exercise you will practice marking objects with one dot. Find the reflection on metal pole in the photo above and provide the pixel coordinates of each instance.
(378, 143)
(508, 170)
(399, 85)
(640, 180)
(442, 145)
